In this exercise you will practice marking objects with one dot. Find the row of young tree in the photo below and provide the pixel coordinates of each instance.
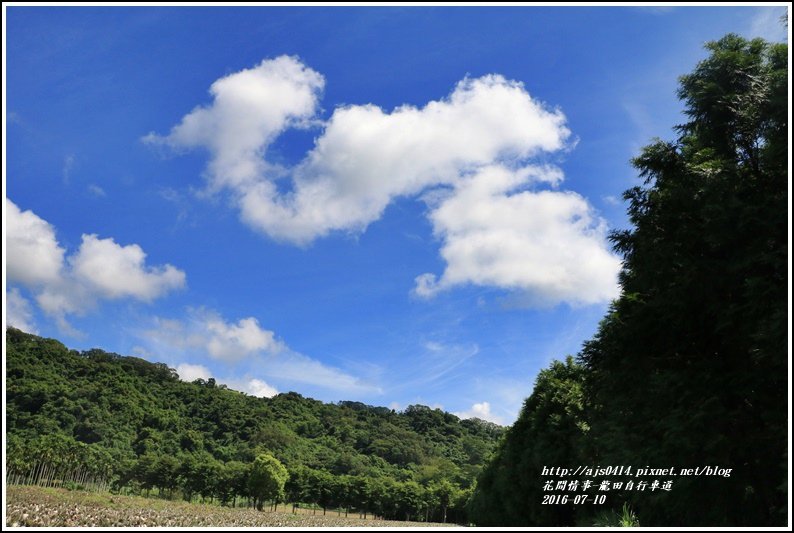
(57, 460)
(689, 367)
(436, 501)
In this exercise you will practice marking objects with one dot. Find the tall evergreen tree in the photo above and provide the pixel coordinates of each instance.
(688, 368)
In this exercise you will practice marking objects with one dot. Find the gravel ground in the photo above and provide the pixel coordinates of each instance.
(36, 506)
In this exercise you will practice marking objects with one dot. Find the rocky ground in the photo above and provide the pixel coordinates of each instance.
(40, 507)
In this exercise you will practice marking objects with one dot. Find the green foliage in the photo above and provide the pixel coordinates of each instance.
(266, 479)
(135, 425)
(550, 430)
(689, 367)
(610, 518)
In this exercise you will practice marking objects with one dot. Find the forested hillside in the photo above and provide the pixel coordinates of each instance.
(136, 427)
(689, 367)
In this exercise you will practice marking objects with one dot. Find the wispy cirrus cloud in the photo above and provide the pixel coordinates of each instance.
(96, 190)
(66, 170)
(769, 24)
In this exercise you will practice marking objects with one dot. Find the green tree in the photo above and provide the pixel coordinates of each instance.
(689, 368)
(445, 493)
(319, 487)
(236, 476)
(109, 420)
(550, 430)
(266, 480)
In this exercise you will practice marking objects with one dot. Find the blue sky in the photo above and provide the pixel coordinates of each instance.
(390, 205)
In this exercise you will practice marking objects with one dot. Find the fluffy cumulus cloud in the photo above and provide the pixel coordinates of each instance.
(115, 271)
(245, 337)
(366, 157)
(33, 254)
(249, 109)
(547, 244)
(204, 332)
(257, 387)
(188, 372)
(253, 386)
(481, 411)
(484, 148)
(100, 269)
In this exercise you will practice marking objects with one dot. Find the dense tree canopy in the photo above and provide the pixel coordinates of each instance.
(550, 431)
(689, 367)
(135, 426)
(266, 479)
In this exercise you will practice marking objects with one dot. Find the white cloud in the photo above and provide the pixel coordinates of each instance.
(482, 148)
(257, 387)
(19, 312)
(431, 368)
(99, 269)
(230, 341)
(188, 372)
(549, 245)
(33, 254)
(293, 367)
(68, 164)
(366, 157)
(481, 411)
(434, 346)
(253, 386)
(141, 351)
(97, 191)
(115, 271)
(249, 109)
(206, 332)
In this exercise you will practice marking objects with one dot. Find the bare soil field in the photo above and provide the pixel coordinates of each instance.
(48, 507)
